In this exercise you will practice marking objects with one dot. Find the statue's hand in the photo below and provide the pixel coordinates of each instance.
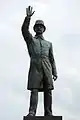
(29, 11)
(55, 77)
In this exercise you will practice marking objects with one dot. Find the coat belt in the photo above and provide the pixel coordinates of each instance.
(40, 57)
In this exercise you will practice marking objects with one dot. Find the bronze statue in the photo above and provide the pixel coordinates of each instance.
(42, 69)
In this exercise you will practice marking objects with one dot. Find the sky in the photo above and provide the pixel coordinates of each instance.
(62, 21)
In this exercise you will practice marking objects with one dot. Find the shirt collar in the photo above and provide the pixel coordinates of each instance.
(39, 36)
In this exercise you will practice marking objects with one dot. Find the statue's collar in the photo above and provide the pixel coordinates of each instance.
(39, 36)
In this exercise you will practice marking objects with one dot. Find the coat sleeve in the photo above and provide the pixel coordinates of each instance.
(25, 30)
(52, 61)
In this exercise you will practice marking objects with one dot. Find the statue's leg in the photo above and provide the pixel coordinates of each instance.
(33, 102)
(47, 103)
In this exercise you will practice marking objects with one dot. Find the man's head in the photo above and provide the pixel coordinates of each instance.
(39, 27)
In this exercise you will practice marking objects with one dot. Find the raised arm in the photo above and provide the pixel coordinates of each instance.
(52, 61)
(25, 27)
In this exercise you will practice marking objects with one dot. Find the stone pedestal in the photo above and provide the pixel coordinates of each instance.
(43, 118)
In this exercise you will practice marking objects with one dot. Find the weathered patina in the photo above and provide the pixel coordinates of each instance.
(42, 65)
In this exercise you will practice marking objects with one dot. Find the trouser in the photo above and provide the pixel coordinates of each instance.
(47, 102)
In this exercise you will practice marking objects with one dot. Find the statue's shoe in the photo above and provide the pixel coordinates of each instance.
(49, 115)
(30, 114)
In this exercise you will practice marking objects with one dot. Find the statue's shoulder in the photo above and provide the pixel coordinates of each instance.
(47, 41)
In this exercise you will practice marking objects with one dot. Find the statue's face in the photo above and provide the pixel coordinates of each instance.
(39, 29)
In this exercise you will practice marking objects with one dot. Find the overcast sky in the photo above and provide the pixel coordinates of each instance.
(62, 20)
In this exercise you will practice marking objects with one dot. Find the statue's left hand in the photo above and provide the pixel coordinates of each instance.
(55, 78)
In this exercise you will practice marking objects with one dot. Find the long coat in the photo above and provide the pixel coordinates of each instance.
(42, 63)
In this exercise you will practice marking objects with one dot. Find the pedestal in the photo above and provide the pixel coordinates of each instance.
(43, 118)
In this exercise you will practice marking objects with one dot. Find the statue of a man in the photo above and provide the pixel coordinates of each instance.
(42, 69)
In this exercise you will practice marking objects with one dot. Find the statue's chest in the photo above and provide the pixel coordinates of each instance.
(41, 44)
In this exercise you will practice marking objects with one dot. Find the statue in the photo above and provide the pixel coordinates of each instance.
(42, 69)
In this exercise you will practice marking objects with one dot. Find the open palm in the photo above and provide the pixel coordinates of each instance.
(29, 11)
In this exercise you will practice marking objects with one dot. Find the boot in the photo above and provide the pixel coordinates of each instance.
(33, 102)
(48, 103)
